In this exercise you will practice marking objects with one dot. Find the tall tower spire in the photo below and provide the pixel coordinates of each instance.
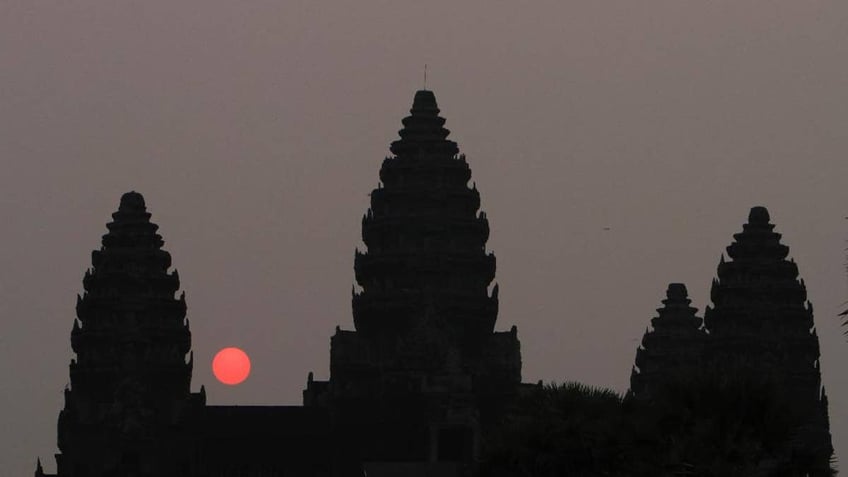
(672, 350)
(424, 371)
(761, 321)
(130, 379)
(759, 304)
(425, 238)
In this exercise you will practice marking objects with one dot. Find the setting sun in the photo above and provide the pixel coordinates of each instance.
(231, 366)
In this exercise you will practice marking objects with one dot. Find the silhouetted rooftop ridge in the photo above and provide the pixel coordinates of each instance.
(671, 348)
(758, 240)
(758, 216)
(425, 238)
(131, 258)
(423, 132)
(131, 225)
(424, 103)
(132, 202)
(676, 291)
(676, 305)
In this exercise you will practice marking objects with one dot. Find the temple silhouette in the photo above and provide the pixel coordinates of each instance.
(422, 377)
(760, 324)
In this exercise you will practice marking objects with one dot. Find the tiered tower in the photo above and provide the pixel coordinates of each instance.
(761, 321)
(424, 354)
(426, 242)
(129, 398)
(672, 350)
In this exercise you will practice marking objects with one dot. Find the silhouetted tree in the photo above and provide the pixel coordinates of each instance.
(708, 425)
(728, 424)
(569, 429)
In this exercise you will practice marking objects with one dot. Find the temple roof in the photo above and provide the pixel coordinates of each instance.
(425, 238)
(757, 241)
(758, 300)
(131, 226)
(759, 215)
(676, 294)
(262, 422)
(672, 348)
(132, 201)
(423, 130)
(129, 290)
(676, 309)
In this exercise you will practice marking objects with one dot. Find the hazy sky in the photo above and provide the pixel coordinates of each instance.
(256, 129)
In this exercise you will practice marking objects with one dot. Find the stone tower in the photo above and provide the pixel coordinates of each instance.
(424, 370)
(129, 401)
(761, 321)
(672, 349)
(426, 241)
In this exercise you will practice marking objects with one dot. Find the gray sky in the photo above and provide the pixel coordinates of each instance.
(256, 129)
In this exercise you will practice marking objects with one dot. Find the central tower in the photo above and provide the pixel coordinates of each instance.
(424, 372)
(426, 241)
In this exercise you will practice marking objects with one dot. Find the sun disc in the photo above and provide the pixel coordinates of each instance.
(231, 366)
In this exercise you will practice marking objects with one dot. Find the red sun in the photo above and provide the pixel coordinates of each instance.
(231, 366)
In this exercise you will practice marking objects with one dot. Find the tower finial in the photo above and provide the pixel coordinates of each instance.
(425, 76)
(758, 215)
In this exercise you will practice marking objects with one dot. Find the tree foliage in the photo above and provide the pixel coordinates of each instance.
(716, 425)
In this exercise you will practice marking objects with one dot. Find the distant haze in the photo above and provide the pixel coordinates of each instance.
(255, 131)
